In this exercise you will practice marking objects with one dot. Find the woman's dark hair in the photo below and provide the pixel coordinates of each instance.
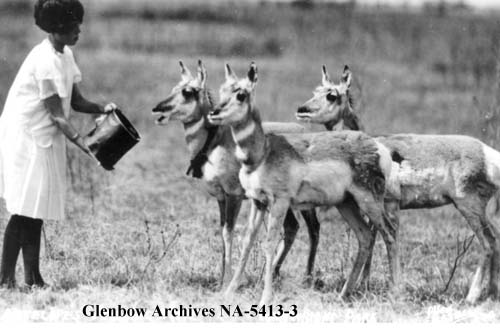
(58, 16)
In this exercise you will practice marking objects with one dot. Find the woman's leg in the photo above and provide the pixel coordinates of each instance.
(10, 251)
(30, 243)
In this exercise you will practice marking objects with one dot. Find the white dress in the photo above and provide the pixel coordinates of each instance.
(32, 148)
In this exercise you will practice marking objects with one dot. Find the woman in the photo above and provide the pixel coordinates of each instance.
(33, 128)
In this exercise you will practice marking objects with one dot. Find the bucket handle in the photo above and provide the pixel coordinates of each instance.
(101, 118)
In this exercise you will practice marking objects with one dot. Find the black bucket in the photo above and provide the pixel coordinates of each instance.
(112, 138)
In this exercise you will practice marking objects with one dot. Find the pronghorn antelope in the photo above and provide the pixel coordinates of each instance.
(433, 170)
(213, 161)
(346, 170)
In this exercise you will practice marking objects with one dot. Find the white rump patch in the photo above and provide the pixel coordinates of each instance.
(385, 160)
(393, 187)
(492, 162)
(390, 170)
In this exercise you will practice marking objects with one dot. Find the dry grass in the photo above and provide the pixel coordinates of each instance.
(105, 253)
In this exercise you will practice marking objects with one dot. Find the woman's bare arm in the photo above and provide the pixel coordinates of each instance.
(81, 104)
(54, 106)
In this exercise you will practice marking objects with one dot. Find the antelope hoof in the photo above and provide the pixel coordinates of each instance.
(471, 302)
(277, 279)
(226, 279)
(222, 286)
(266, 300)
(472, 298)
(365, 285)
(307, 281)
(493, 294)
(345, 295)
(222, 283)
(230, 290)
(396, 293)
(228, 295)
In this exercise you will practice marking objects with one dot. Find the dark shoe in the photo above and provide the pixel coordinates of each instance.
(10, 251)
(25, 288)
(32, 276)
(30, 234)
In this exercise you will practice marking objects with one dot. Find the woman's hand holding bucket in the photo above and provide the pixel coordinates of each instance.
(107, 109)
(111, 138)
(110, 107)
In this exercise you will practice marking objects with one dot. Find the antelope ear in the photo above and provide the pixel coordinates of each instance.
(202, 74)
(346, 76)
(252, 73)
(229, 73)
(185, 73)
(325, 80)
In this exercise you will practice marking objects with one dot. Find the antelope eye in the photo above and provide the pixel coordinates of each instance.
(187, 93)
(241, 97)
(331, 97)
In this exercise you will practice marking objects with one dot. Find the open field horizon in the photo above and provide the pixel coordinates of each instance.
(412, 73)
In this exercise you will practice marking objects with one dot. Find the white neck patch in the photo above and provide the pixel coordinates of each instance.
(244, 133)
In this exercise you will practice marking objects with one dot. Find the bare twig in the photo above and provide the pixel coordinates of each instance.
(261, 274)
(166, 246)
(148, 237)
(461, 249)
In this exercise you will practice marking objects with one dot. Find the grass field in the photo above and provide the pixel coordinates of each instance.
(146, 235)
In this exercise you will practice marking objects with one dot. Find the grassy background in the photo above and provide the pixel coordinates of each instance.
(413, 72)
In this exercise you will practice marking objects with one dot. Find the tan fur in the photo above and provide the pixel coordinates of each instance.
(435, 170)
(220, 171)
(449, 169)
(302, 160)
(301, 170)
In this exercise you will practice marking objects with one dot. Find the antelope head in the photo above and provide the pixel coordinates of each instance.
(184, 101)
(329, 100)
(236, 98)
